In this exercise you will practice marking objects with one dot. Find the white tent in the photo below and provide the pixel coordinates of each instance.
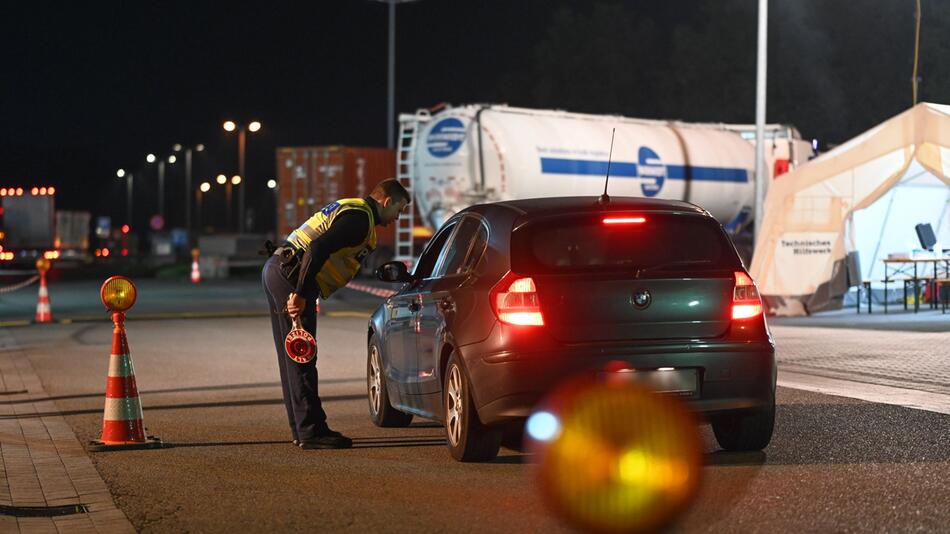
(864, 196)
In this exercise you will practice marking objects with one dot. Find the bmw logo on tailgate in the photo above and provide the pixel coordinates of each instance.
(642, 299)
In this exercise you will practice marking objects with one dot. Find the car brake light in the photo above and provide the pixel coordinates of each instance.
(515, 301)
(624, 220)
(746, 303)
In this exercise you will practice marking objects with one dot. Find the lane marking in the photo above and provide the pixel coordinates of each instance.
(908, 398)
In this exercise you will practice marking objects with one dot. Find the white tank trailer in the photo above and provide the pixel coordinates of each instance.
(483, 153)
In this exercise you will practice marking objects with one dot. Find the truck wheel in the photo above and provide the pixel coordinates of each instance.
(380, 410)
(749, 431)
(468, 439)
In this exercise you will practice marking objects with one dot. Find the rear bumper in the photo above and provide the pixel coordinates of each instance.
(732, 377)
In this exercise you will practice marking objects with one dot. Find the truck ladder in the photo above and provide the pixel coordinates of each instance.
(409, 126)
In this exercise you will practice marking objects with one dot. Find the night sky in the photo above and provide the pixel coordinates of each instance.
(89, 87)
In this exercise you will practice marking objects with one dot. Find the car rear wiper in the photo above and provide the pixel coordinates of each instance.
(677, 263)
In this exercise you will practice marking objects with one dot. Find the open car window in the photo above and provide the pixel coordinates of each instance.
(430, 256)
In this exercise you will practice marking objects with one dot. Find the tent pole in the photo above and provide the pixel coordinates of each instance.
(760, 117)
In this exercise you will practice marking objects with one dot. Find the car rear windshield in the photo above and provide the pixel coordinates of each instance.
(622, 242)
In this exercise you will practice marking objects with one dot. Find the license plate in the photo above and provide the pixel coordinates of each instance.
(676, 382)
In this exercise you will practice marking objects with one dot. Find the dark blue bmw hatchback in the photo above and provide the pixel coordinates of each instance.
(509, 299)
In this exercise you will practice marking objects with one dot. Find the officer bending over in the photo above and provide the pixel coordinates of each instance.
(318, 258)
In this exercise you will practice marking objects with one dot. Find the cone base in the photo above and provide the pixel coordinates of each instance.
(151, 442)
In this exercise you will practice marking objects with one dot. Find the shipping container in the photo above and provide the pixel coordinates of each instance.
(310, 177)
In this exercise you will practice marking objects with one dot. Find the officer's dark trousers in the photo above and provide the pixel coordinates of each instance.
(299, 380)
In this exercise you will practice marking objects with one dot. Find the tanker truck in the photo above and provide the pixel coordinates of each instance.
(459, 156)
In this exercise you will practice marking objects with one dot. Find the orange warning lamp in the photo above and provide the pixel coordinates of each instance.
(118, 294)
(42, 265)
(605, 473)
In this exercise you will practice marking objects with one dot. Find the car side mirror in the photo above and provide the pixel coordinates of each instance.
(393, 272)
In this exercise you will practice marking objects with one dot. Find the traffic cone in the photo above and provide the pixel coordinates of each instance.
(43, 312)
(195, 273)
(122, 426)
(318, 305)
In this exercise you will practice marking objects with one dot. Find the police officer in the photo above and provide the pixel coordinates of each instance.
(318, 258)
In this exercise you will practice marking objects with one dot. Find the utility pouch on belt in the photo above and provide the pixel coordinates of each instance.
(289, 260)
(268, 249)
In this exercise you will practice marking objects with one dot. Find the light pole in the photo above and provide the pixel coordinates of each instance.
(272, 185)
(253, 127)
(223, 180)
(199, 196)
(161, 181)
(188, 168)
(128, 193)
(760, 179)
(391, 73)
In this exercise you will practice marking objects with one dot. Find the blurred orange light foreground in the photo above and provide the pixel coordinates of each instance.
(615, 457)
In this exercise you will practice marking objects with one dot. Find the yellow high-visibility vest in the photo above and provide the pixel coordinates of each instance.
(343, 264)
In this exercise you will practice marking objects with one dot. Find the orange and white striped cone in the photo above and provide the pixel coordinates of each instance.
(122, 425)
(195, 272)
(318, 305)
(44, 314)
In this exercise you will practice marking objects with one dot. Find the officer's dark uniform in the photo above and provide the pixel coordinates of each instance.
(317, 258)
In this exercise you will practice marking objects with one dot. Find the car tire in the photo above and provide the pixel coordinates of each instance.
(467, 438)
(381, 410)
(748, 431)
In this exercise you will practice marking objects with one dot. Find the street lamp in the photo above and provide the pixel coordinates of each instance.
(760, 79)
(188, 167)
(272, 185)
(161, 182)
(199, 196)
(242, 130)
(235, 180)
(128, 193)
(391, 79)
(221, 179)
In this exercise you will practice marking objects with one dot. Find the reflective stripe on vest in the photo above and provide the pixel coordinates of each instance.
(343, 264)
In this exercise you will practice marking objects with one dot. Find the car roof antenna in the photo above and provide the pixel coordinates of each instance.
(605, 198)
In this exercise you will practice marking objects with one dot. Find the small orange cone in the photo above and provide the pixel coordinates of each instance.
(44, 314)
(122, 426)
(195, 272)
(318, 305)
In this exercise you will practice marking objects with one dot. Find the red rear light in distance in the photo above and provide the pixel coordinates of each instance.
(515, 301)
(746, 303)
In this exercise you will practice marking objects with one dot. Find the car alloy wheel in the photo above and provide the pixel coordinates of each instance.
(381, 410)
(454, 406)
(375, 384)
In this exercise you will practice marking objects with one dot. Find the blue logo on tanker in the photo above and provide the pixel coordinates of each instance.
(445, 137)
(649, 169)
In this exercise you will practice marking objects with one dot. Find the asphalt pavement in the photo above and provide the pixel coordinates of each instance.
(78, 300)
(210, 389)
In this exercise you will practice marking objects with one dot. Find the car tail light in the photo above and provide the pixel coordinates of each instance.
(515, 301)
(624, 220)
(746, 303)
